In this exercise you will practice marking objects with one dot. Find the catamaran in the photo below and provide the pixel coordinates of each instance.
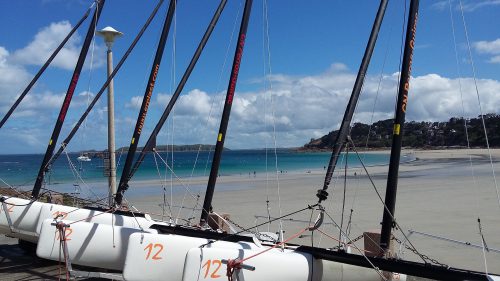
(143, 249)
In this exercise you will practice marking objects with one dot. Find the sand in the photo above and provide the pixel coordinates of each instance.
(442, 193)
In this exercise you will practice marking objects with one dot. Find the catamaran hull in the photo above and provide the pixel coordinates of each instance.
(89, 244)
(21, 218)
(152, 257)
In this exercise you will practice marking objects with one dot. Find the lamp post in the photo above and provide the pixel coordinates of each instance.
(109, 34)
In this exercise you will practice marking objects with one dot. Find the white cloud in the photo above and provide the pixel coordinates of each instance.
(195, 102)
(311, 106)
(46, 41)
(472, 5)
(300, 107)
(468, 6)
(135, 102)
(489, 48)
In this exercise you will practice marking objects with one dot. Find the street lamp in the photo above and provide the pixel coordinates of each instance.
(109, 34)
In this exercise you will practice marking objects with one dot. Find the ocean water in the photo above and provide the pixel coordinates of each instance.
(22, 169)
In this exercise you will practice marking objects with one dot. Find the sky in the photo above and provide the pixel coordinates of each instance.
(297, 73)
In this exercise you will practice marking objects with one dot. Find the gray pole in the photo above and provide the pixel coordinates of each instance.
(109, 35)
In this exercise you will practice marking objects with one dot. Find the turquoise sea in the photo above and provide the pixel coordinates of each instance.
(21, 170)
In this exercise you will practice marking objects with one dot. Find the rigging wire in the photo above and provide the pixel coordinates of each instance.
(45, 65)
(379, 85)
(461, 95)
(264, 12)
(351, 242)
(483, 243)
(383, 203)
(75, 172)
(91, 68)
(273, 112)
(469, 152)
(216, 101)
(345, 187)
(479, 103)
(172, 85)
(165, 203)
(334, 182)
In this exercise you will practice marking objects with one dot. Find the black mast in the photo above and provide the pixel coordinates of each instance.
(105, 85)
(351, 106)
(67, 99)
(151, 141)
(42, 69)
(404, 86)
(207, 204)
(145, 102)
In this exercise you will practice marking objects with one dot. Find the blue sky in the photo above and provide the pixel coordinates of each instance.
(315, 51)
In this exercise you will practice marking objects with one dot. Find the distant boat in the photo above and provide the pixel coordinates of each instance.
(84, 158)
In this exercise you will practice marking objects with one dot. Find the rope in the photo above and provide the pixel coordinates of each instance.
(236, 264)
(359, 250)
(133, 214)
(88, 218)
(14, 189)
(256, 226)
(484, 246)
(61, 228)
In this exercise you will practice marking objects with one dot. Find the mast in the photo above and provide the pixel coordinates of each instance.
(207, 204)
(151, 141)
(404, 86)
(42, 69)
(351, 106)
(67, 99)
(145, 102)
(105, 85)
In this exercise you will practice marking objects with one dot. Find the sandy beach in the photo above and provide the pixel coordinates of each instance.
(442, 193)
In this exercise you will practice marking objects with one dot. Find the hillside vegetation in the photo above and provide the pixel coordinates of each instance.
(420, 134)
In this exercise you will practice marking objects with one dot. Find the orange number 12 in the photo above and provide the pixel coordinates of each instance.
(214, 273)
(150, 247)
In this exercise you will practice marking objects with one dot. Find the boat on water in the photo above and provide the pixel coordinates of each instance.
(83, 158)
(140, 248)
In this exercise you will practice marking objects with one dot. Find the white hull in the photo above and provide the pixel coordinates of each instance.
(154, 256)
(27, 218)
(83, 159)
(90, 244)
(23, 218)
